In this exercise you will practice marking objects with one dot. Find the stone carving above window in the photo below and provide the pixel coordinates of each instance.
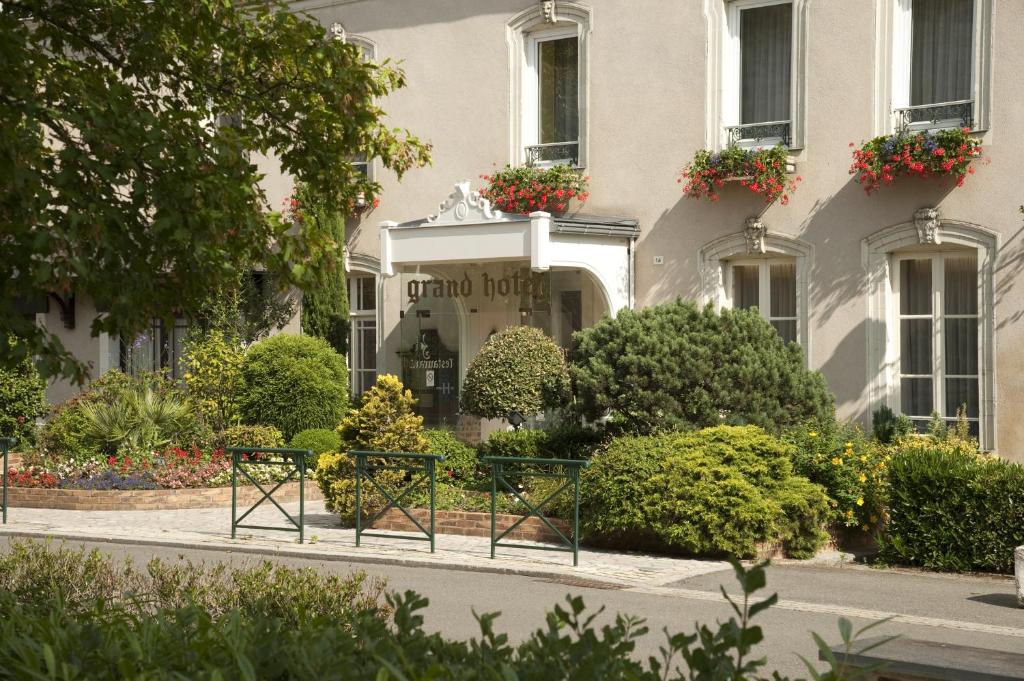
(928, 223)
(548, 8)
(754, 232)
(464, 205)
(337, 32)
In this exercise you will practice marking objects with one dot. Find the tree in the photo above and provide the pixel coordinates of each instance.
(129, 133)
(325, 307)
(246, 309)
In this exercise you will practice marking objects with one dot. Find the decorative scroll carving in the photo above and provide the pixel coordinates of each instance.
(548, 8)
(927, 222)
(754, 232)
(464, 205)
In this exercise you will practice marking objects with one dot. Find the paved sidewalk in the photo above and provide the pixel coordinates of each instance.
(211, 529)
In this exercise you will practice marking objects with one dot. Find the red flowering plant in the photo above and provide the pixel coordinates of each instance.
(33, 476)
(193, 468)
(941, 153)
(762, 171)
(527, 189)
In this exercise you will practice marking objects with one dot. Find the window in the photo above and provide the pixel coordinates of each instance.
(768, 286)
(757, 85)
(159, 348)
(548, 45)
(940, 64)
(362, 297)
(552, 116)
(937, 298)
(936, 58)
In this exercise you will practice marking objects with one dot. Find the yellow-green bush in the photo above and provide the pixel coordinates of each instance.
(214, 377)
(384, 422)
(717, 491)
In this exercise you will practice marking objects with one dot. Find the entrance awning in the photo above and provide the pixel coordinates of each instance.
(467, 230)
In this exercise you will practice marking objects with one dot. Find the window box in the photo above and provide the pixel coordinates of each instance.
(527, 189)
(945, 153)
(765, 172)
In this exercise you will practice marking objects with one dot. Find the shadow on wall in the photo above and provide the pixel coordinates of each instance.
(836, 225)
(847, 373)
(1009, 266)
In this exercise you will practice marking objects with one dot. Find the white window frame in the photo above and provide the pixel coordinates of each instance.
(937, 317)
(716, 281)
(535, 22)
(369, 49)
(732, 87)
(764, 303)
(357, 317)
(718, 89)
(883, 348)
(894, 45)
(531, 85)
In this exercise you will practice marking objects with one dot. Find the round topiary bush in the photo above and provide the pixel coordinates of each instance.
(317, 440)
(460, 462)
(518, 369)
(293, 383)
(675, 366)
(713, 492)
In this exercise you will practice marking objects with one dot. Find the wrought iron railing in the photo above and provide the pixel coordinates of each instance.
(936, 116)
(6, 444)
(293, 461)
(755, 133)
(553, 154)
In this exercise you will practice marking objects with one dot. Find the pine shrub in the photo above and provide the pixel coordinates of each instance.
(518, 369)
(713, 492)
(293, 383)
(676, 366)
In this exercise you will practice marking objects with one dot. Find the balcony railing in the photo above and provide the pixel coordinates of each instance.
(553, 154)
(936, 116)
(758, 134)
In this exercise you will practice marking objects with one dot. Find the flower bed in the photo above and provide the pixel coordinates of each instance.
(528, 189)
(149, 499)
(764, 172)
(945, 153)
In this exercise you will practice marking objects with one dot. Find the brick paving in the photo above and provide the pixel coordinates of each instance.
(210, 528)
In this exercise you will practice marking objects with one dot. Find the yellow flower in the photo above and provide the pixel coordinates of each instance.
(860, 501)
(813, 433)
(866, 528)
(849, 514)
(836, 461)
(863, 457)
(863, 478)
(849, 445)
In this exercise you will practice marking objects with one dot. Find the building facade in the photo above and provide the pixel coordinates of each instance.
(908, 297)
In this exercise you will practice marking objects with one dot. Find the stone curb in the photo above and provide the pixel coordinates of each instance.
(1018, 573)
(540, 573)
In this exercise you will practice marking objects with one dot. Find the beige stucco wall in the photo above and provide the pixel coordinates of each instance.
(647, 74)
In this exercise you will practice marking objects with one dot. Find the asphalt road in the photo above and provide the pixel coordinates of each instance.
(960, 609)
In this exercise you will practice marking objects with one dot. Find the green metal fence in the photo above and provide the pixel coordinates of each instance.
(294, 460)
(6, 444)
(505, 467)
(416, 469)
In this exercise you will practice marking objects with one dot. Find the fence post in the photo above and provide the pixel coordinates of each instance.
(6, 443)
(359, 498)
(234, 491)
(295, 459)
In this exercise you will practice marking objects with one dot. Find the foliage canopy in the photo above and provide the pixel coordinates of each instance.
(129, 139)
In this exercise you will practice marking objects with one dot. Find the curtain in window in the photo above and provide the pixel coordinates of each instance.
(961, 334)
(745, 289)
(766, 36)
(941, 53)
(782, 286)
(559, 90)
(916, 338)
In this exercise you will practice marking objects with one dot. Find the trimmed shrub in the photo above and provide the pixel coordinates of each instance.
(293, 383)
(887, 427)
(317, 440)
(518, 369)
(718, 491)
(250, 436)
(564, 442)
(951, 508)
(22, 400)
(675, 366)
(460, 460)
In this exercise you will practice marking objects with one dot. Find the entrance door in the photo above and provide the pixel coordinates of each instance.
(430, 332)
